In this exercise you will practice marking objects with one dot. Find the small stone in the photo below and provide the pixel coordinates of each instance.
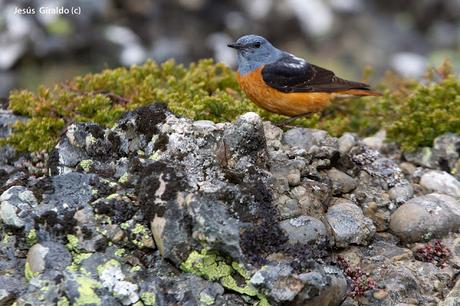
(422, 157)
(446, 148)
(294, 177)
(379, 215)
(407, 168)
(380, 294)
(278, 281)
(425, 217)
(303, 229)
(341, 182)
(287, 207)
(327, 286)
(115, 233)
(349, 225)
(307, 138)
(376, 141)
(441, 182)
(401, 194)
(453, 298)
(346, 142)
(46, 255)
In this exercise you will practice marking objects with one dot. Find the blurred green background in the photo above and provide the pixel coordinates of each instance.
(344, 35)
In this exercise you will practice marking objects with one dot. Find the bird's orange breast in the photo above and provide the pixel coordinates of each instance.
(275, 101)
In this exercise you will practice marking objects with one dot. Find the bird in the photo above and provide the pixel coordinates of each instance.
(285, 84)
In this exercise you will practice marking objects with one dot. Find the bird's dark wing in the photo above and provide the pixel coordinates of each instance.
(292, 74)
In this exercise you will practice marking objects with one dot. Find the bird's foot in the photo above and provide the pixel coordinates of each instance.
(285, 123)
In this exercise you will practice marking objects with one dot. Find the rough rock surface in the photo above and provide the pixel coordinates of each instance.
(161, 210)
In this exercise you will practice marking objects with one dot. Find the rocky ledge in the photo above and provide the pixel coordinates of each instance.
(161, 210)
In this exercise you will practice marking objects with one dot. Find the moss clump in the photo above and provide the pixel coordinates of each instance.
(412, 113)
(204, 90)
(425, 113)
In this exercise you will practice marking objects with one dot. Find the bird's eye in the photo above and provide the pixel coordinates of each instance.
(257, 45)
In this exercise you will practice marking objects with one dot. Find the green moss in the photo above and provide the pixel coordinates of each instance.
(412, 113)
(425, 113)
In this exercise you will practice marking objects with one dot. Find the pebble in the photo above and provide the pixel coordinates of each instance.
(441, 182)
(426, 217)
(303, 229)
(349, 225)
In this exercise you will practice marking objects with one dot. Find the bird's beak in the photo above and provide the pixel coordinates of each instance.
(236, 46)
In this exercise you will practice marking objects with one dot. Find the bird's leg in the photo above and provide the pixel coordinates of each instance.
(285, 123)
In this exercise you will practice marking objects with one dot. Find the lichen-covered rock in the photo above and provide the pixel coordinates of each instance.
(425, 217)
(165, 210)
(16, 207)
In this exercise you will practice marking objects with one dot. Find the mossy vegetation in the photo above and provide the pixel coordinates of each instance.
(413, 113)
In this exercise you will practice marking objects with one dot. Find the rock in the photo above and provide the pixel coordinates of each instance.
(381, 168)
(447, 147)
(307, 138)
(7, 119)
(71, 191)
(304, 230)
(46, 255)
(16, 207)
(312, 197)
(422, 157)
(113, 278)
(453, 298)
(246, 141)
(349, 225)
(346, 142)
(380, 216)
(441, 182)
(341, 182)
(167, 210)
(425, 217)
(278, 282)
(323, 286)
(163, 203)
(327, 286)
(376, 141)
(214, 228)
(401, 194)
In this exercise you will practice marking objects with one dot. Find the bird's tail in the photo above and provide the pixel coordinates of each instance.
(360, 92)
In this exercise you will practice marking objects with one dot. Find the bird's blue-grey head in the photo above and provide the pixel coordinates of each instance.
(254, 51)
